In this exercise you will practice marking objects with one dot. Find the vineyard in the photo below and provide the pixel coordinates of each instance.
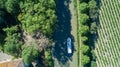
(107, 47)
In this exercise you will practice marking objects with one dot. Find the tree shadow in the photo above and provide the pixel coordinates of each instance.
(62, 32)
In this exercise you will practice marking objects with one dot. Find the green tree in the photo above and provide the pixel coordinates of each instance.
(84, 18)
(93, 27)
(12, 7)
(48, 57)
(2, 4)
(93, 55)
(83, 7)
(85, 49)
(38, 16)
(13, 41)
(84, 39)
(93, 9)
(84, 30)
(93, 64)
(85, 59)
(29, 54)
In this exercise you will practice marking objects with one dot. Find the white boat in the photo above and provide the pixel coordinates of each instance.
(69, 46)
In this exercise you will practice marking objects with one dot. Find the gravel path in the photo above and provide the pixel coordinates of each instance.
(74, 62)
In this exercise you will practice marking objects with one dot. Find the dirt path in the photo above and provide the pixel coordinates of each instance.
(79, 36)
(74, 62)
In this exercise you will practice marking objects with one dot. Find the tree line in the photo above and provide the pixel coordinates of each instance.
(88, 27)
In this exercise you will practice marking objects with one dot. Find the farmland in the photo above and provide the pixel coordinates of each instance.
(107, 45)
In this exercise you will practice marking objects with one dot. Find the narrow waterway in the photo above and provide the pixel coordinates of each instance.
(67, 27)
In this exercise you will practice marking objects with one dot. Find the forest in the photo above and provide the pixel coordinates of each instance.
(26, 28)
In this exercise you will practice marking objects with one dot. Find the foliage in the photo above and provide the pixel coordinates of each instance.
(2, 4)
(93, 27)
(48, 58)
(38, 16)
(83, 7)
(12, 41)
(84, 18)
(84, 30)
(85, 59)
(33, 16)
(88, 13)
(12, 6)
(93, 9)
(93, 55)
(93, 64)
(85, 49)
(84, 39)
(29, 54)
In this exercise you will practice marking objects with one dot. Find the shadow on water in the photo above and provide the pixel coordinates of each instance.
(62, 32)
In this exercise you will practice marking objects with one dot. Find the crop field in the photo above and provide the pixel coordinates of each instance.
(107, 47)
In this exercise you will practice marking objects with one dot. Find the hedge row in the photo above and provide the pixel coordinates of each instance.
(88, 27)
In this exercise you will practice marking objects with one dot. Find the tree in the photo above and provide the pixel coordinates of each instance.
(93, 64)
(84, 39)
(85, 59)
(12, 7)
(93, 9)
(38, 16)
(84, 29)
(48, 58)
(13, 41)
(85, 49)
(93, 55)
(83, 7)
(2, 4)
(93, 28)
(84, 18)
(29, 54)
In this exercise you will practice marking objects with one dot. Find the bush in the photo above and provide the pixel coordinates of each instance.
(93, 28)
(83, 7)
(48, 57)
(84, 18)
(85, 59)
(29, 54)
(84, 39)
(84, 30)
(93, 9)
(85, 49)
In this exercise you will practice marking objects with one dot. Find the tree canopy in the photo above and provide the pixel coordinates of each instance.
(93, 64)
(84, 18)
(38, 16)
(29, 54)
(85, 49)
(12, 41)
(84, 29)
(93, 9)
(83, 7)
(85, 59)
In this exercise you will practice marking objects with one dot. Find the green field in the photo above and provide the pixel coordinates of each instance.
(107, 47)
